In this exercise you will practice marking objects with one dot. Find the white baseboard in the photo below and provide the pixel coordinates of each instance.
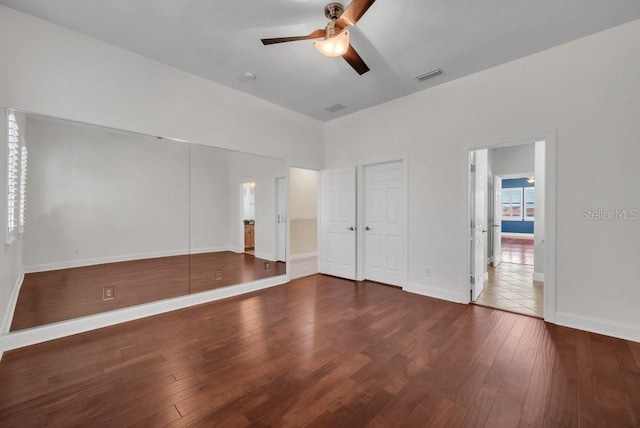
(516, 235)
(209, 250)
(303, 256)
(265, 256)
(101, 260)
(537, 276)
(600, 326)
(11, 304)
(31, 336)
(435, 292)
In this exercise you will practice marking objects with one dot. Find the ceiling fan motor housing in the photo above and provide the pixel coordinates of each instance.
(333, 11)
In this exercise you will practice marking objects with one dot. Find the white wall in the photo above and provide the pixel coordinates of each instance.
(97, 195)
(209, 200)
(50, 70)
(519, 159)
(589, 90)
(11, 260)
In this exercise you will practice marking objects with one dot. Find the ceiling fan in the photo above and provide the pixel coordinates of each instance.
(335, 36)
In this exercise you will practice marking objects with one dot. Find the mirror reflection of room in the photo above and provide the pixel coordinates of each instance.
(249, 216)
(115, 219)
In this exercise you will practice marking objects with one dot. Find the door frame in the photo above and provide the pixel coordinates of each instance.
(276, 192)
(360, 215)
(550, 168)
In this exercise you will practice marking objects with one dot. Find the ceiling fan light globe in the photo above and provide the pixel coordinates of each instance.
(334, 46)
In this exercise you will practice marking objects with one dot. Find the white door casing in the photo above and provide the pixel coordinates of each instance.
(337, 254)
(281, 216)
(478, 177)
(383, 222)
(496, 227)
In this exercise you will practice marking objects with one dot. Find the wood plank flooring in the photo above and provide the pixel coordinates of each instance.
(321, 351)
(52, 296)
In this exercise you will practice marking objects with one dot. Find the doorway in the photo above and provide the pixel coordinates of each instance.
(507, 234)
(249, 216)
(303, 221)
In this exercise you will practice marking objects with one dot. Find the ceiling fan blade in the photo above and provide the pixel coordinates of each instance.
(315, 35)
(353, 12)
(355, 61)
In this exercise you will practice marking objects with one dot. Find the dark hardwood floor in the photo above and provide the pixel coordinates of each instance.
(321, 351)
(58, 295)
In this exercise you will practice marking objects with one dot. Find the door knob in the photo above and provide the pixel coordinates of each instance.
(367, 228)
(351, 228)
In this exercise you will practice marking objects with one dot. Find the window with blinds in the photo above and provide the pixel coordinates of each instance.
(529, 203)
(13, 160)
(23, 186)
(512, 204)
(518, 204)
(17, 155)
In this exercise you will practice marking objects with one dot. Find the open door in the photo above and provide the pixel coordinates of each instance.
(478, 186)
(337, 254)
(496, 227)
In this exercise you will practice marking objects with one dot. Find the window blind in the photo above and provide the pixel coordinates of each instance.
(13, 144)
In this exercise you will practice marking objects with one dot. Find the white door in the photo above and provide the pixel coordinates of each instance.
(478, 222)
(281, 192)
(337, 254)
(383, 220)
(496, 227)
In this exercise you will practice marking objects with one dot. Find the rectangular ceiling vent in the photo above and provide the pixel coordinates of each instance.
(429, 74)
(335, 107)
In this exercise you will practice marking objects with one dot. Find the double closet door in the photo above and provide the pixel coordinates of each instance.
(362, 227)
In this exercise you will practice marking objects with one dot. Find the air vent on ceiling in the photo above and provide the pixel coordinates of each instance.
(335, 107)
(429, 74)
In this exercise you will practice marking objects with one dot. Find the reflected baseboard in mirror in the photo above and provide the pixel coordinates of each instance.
(214, 270)
(147, 216)
(47, 297)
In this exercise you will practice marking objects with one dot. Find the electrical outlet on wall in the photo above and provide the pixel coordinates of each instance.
(108, 293)
(427, 271)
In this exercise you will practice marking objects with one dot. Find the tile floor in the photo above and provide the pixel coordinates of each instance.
(510, 285)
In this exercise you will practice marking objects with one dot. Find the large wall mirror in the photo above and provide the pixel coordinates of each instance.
(115, 219)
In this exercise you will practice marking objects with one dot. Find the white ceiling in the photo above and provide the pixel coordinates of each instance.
(399, 39)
